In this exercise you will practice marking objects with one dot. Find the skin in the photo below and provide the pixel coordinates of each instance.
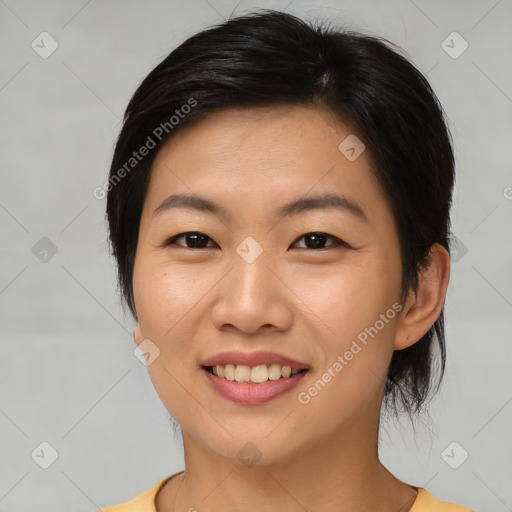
(306, 303)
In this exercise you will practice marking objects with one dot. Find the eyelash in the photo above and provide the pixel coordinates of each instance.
(338, 241)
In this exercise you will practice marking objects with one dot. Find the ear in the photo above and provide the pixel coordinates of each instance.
(137, 334)
(423, 305)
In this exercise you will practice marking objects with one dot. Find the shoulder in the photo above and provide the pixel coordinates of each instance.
(144, 502)
(425, 502)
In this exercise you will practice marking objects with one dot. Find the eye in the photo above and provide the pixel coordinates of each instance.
(193, 240)
(198, 240)
(318, 241)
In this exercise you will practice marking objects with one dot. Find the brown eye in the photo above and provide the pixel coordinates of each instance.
(193, 240)
(319, 240)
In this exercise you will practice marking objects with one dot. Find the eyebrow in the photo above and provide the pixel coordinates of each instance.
(316, 202)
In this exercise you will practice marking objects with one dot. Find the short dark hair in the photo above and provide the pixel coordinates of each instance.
(271, 58)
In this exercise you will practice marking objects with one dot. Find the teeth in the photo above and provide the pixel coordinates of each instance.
(229, 371)
(242, 373)
(259, 374)
(256, 374)
(286, 371)
(274, 372)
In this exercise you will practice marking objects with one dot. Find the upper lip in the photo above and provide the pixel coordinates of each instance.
(253, 359)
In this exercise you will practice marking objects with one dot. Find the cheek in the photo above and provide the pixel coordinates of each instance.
(348, 298)
(164, 296)
(164, 299)
(168, 303)
(355, 341)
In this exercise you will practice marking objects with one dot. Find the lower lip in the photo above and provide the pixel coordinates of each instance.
(252, 394)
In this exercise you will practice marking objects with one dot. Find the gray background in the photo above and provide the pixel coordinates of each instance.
(68, 373)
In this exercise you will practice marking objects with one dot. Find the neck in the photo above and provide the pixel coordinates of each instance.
(339, 473)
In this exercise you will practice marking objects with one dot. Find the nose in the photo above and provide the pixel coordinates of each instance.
(252, 298)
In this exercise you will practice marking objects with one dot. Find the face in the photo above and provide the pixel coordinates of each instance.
(318, 282)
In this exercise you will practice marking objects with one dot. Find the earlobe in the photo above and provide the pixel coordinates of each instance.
(137, 335)
(423, 305)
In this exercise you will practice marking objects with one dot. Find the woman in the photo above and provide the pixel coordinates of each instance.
(278, 207)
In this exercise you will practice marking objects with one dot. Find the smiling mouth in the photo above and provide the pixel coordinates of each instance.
(253, 374)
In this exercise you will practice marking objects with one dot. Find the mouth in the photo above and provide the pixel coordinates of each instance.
(259, 374)
(252, 378)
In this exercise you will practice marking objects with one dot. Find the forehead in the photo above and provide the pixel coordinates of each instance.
(280, 128)
(267, 155)
(260, 142)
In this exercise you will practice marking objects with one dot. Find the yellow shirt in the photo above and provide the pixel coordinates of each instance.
(145, 502)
